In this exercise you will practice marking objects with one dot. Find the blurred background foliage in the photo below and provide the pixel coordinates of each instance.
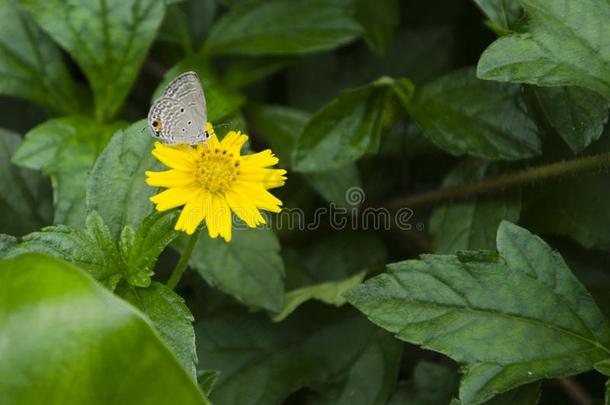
(380, 95)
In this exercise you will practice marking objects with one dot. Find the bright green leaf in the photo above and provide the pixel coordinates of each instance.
(61, 327)
(265, 361)
(117, 187)
(109, 40)
(464, 115)
(472, 224)
(330, 292)
(578, 115)
(23, 192)
(65, 149)
(345, 129)
(249, 267)
(504, 15)
(510, 320)
(31, 66)
(91, 249)
(565, 46)
(170, 317)
(270, 27)
(141, 249)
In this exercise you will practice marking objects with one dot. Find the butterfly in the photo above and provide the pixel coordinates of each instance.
(180, 114)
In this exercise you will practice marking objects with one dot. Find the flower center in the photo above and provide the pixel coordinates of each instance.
(217, 170)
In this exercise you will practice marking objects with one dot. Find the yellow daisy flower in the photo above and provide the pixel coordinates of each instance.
(213, 179)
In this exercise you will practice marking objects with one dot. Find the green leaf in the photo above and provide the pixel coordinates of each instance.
(564, 46)
(206, 380)
(265, 361)
(91, 249)
(430, 384)
(120, 168)
(578, 115)
(62, 327)
(345, 129)
(379, 19)
(249, 267)
(335, 257)
(464, 115)
(221, 101)
(330, 292)
(170, 317)
(108, 39)
(31, 66)
(281, 126)
(23, 193)
(510, 320)
(141, 249)
(65, 149)
(504, 15)
(269, 27)
(372, 376)
(525, 395)
(472, 224)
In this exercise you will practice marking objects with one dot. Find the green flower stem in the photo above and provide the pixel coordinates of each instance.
(178, 271)
(506, 181)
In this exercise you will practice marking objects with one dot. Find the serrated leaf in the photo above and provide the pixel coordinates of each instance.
(141, 249)
(120, 168)
(108, 39)
(510, 320)
(380, 20)
(464, 115)
(221, 101)
(564, 46)
(65, 149)
(578, 115)
(24, 194)
(330, 292)
(91, 249)
(249, 267)
(281, 127)
(170, 317)
(472, 224)
(54, 317)
(344, 130)
(256, 357)
(504, 15)
(269, 27)
(31, 66)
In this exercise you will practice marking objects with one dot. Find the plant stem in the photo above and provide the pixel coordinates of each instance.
(506, 181)
(178, 271)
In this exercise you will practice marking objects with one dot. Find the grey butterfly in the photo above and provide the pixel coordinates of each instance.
(180, 115)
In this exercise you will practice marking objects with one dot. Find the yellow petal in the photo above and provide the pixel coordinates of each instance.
(244, 209)
(169, 178)
(268, 178)
(191, 215)
(210, 219)
(260, 197)
(260, 159)
(175, 157)
(233, 142)
(225, 222)
(173, 197)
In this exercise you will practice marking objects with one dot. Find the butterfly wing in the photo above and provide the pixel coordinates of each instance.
(187, 89)
(172, 122)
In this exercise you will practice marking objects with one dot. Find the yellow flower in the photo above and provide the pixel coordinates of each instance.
(213, 179)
